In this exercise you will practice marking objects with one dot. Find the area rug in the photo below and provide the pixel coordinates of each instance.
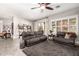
(50, 48)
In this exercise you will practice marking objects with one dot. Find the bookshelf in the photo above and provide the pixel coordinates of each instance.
(72, 24)
(65, 25)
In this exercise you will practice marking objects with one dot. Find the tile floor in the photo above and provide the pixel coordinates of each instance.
(10, 47)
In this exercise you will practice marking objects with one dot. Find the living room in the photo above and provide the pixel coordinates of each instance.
(40, 29)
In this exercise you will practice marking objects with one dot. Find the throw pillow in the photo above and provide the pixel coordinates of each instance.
(67, 36)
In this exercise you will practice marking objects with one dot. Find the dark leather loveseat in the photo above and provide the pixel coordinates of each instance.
(31, 38)
(60, 37)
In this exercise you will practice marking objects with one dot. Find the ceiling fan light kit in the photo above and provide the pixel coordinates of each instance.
(42, 7)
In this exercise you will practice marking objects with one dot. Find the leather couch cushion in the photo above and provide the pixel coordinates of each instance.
(38, 33)
(32, 40)
(43, 37)
(63, 40)
(60, 37)
(25, 34)
(28, 37)
(61, 34)
(36, 40)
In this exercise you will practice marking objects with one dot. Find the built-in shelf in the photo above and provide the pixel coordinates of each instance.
(68, 24)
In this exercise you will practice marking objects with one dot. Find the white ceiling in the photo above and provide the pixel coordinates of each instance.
(24, 10)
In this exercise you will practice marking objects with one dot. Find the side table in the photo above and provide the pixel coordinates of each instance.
(50, 37)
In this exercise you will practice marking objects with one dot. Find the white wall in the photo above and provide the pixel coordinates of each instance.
(56, 16)
(48, 26)
(1, 26)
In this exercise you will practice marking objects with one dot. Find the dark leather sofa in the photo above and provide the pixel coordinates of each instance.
(60, 37)
(31, 38)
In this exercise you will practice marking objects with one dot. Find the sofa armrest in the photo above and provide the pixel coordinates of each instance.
(73, 39)
(28, 37)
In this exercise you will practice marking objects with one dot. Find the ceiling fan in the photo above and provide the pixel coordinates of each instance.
(43, 6)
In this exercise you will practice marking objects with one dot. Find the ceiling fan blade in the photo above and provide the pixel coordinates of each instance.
(47, 3)
(49, 8)
(34, 7)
